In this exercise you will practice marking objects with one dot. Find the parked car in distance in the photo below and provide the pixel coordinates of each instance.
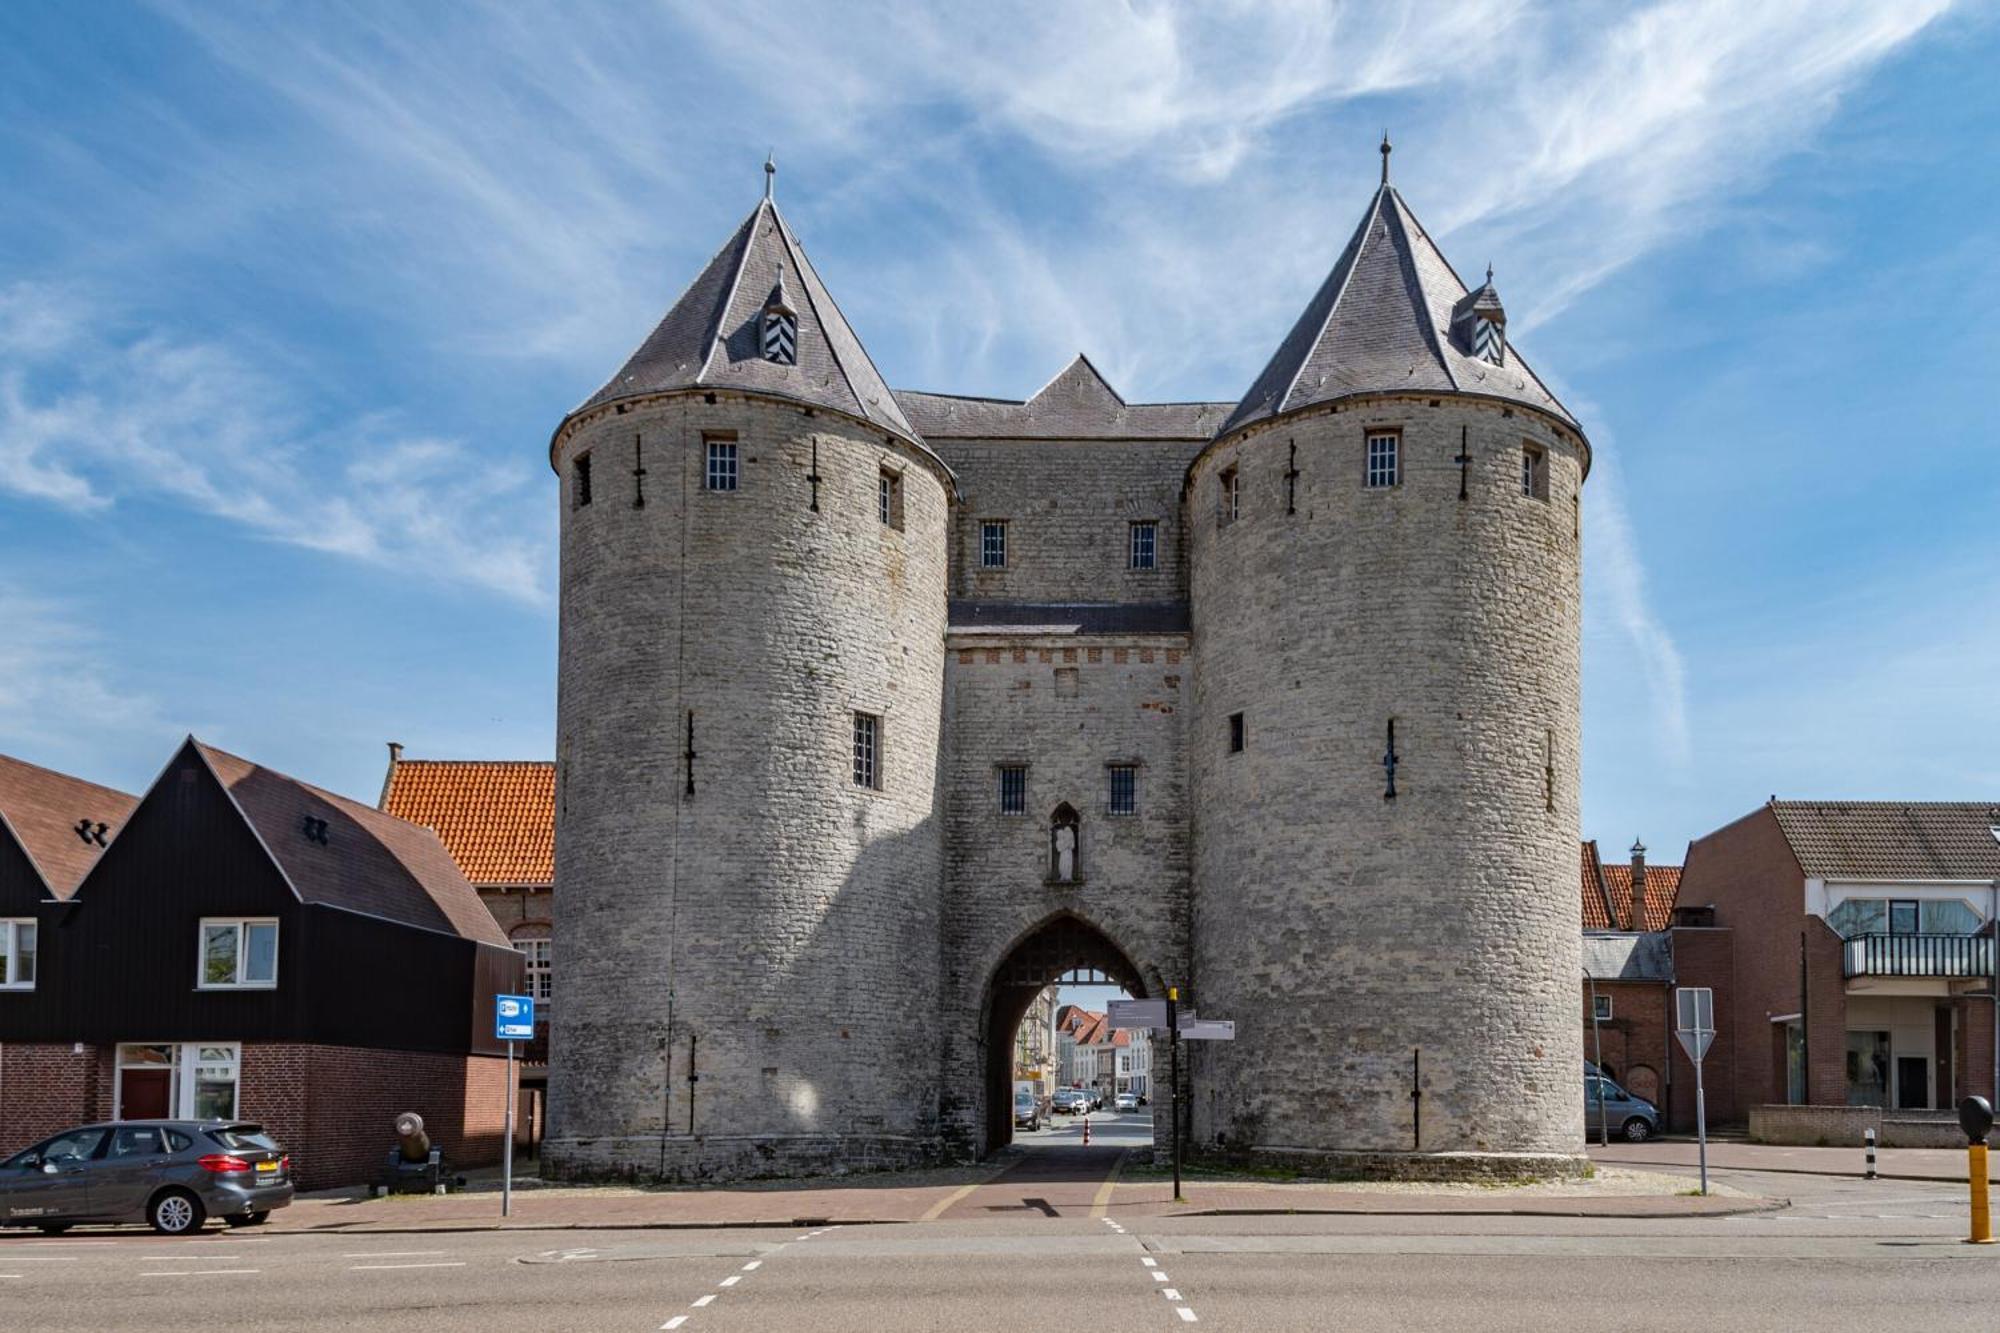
(1067, 1101)
(1126, 1101)
(1633, 1118)
(174, 1174)
(1027, 1106)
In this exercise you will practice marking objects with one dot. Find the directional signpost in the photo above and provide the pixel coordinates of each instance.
(1694, 1024)
(1137, 1013)
(513, 1021)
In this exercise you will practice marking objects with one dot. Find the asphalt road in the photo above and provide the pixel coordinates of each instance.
(1848, 1254)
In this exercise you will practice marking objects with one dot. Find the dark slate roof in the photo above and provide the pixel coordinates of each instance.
(712, 336)
(1892, 839)
(1381, 322)
(1078, 404)
(970, 617)
(42, 807)
(1627, 956)
(372, 862)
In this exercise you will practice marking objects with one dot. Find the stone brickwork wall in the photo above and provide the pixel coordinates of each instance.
(1637, 1041)
(774, 934)
(1343, 931)
(1066, 707)
(1069, 506)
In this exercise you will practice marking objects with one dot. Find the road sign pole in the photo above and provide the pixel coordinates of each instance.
(1174, 1099)
(507, 1144)
(1701, 1124)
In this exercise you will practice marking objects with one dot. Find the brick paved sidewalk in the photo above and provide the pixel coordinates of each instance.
(1941, 1164)
(1049, 1183)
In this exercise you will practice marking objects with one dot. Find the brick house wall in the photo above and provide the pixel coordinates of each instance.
(1634, 1039)
(1747, 873)
(46, 1087)
(332, 1107)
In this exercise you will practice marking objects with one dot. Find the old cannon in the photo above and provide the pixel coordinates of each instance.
(416, 1165)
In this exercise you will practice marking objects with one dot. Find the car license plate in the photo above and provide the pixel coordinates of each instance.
(267, 1168)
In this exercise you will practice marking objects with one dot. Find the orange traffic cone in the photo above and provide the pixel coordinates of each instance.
(1086, 1131)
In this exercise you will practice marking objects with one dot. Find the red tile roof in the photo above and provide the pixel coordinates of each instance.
(1607, 894)
(497, 818)
(42, 808)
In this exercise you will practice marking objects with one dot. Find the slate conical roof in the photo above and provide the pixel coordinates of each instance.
(712, 338)
(1382, 323)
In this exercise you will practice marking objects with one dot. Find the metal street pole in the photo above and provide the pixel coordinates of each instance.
(1597, 1038)
(1174, 1050)
(1701, 1123)
(507, 1144)
(1993, 929)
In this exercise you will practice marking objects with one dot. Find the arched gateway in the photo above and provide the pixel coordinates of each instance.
(878, 710)
(1064, 944)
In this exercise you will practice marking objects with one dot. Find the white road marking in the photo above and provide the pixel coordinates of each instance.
(675, 1322)
(204, 1272)
(392, 1254)
(703, 1300)
(753, 1265)
(1150, 1263)
(1170, 1294)
(38, 1258)
(376, 1268)
(1158, 1276)
(1187, 1315)
(180, 1255)
(732, 1280)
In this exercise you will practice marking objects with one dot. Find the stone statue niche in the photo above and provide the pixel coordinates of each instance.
(1064, 866)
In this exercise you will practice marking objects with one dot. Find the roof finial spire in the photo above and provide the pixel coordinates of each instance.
(1387, 148)
(770, 174)
(1489, 273)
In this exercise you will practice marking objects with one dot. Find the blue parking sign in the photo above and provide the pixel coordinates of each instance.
(514, 1017)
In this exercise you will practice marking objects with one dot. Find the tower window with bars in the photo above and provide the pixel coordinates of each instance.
(867, 750)
(1385, 465)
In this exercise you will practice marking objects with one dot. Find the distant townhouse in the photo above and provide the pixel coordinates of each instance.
(1076, 1061)
(238, 944)
(497, 819)
(1628, 970)
(1850, 946)
(1133, 1050)
(1035, 1058)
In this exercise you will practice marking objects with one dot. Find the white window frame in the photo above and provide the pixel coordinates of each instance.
(1229, 496)
(889, 498)
(720, 465)
(1384, 445)
(1149, 530)
(1600, 1007)
(993, 543)
(10, 952)
(539, 973)
(183, 1070)
(242, 925)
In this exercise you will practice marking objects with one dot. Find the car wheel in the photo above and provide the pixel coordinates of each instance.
(246, 1219)
(54, 1228)
(175, 1213)
(1637, 1130)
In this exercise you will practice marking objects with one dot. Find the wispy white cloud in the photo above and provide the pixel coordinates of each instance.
(59, 704)
(91, 413)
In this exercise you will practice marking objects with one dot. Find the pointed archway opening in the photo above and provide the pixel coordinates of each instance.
(1065, 949)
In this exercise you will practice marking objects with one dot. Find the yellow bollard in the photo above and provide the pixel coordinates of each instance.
(1982, 1214)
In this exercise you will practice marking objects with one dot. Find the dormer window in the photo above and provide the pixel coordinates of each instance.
(1489, 340)
(781, 327)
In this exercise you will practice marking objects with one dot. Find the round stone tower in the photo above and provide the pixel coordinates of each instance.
(747, 848)
(1385, 601)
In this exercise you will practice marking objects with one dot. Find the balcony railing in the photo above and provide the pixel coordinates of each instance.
(1918, 956)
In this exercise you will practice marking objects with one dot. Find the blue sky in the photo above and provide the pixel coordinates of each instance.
(291, 298)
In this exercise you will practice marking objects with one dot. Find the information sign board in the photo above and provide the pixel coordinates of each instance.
(514, 1017)
(1209, 1029)
(1137, 1013)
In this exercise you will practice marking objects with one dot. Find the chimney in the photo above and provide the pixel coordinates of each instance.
(1638, 921)
(395, 757)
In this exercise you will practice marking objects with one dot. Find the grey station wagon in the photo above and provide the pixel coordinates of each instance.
(174, 1174)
